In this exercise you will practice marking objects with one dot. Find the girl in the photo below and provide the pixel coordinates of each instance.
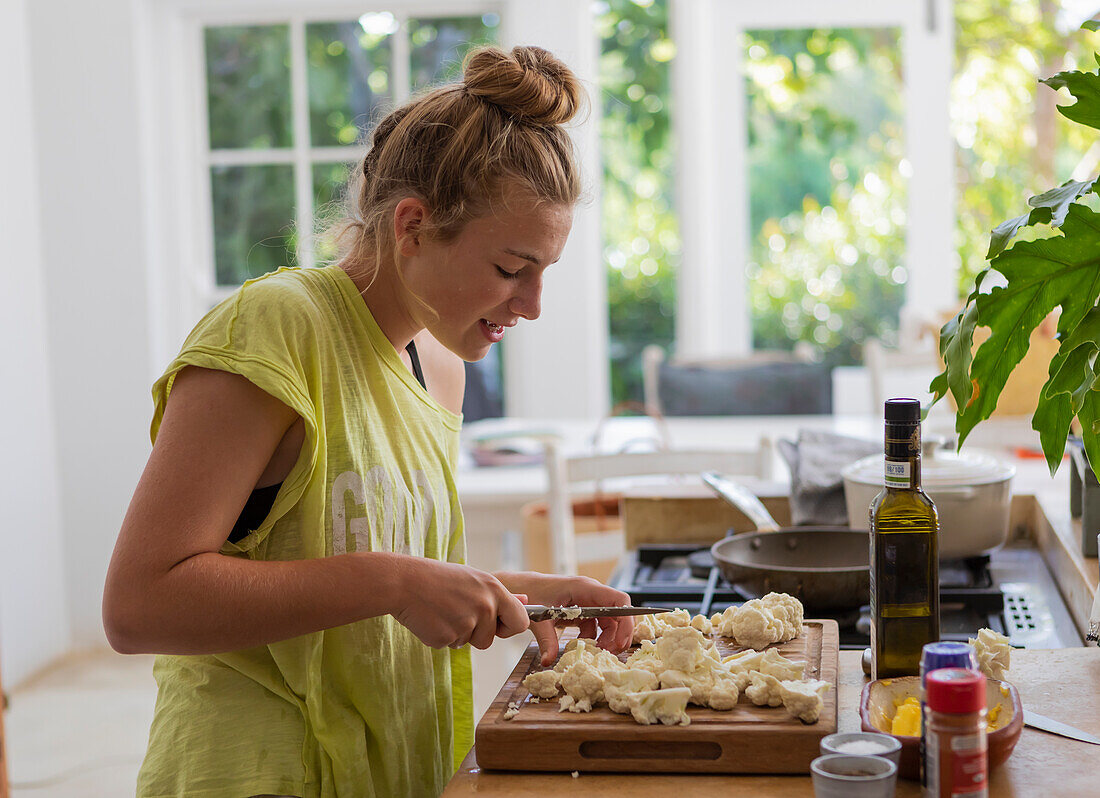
(294, 548)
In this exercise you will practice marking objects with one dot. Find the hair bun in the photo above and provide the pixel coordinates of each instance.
(529, 83)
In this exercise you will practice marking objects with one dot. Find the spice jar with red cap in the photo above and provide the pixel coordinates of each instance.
(955, 762)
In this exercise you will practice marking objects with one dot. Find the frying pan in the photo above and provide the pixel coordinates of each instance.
(826, 568)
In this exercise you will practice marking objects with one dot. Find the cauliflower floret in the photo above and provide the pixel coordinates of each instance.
(787, 609)
(702, 624)
(681, 648)
(675, 619)
(583, 686)
(512, 710)
(802, 699)
(582, 650)
(724, 691)
(764, 690)
(758, 623)
(618, 684)
(993, 651)
(775, 664)
(698, 682)
(754, 625)
(660, 706)
(646, 658)
(645, 628)
(543, 684)
(715, 619)
(744, 661)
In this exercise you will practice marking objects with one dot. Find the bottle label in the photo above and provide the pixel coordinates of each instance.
(965, 768)
(969, 766)
(898, 474)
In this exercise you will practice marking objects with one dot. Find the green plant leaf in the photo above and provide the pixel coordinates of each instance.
(1090, 24)
(1040, 276)
(1059, 199)
(1004, 232)
(1085, 86)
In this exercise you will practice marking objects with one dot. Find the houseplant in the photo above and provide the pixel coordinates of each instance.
(1060, 273)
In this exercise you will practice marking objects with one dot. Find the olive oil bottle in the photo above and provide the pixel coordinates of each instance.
(905, 584)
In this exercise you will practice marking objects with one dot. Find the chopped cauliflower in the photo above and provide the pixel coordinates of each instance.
(681, 649)
(715, 619)
(646, 657)
(802, 699)
(775, 664)
(583, 686)
(993, 651)
(618, 684)
(512, 710)
(753, 625)
(788, 610)
(744, 661)
(712, 687)
(764, 690)
(660, 706)
(675, 619)
(758, 623)
(543, 684)
(702, 624)
(578, 650)
(645, 628)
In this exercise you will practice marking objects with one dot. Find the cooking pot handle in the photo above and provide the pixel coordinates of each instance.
(743, 499)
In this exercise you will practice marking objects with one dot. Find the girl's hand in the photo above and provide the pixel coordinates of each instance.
(615, 634)
(446, 604)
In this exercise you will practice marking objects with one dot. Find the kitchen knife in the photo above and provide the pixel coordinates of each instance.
(540, 612)
(1035, 720)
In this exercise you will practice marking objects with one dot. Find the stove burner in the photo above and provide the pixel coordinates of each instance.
(684, 575)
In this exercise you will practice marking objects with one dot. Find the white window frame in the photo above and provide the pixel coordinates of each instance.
(176, 182)
(710, 121)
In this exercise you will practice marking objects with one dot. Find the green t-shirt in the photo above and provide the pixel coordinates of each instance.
(364, 709)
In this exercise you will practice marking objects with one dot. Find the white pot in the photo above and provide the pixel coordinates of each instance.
(972, 492)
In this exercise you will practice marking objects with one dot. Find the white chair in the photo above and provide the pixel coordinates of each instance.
(906, 369)
(563, 473)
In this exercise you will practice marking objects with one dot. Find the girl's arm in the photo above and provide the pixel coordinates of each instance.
(169, 590)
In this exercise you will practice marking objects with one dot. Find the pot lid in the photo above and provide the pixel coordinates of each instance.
(944, 469)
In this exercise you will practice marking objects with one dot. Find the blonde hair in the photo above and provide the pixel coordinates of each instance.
(461, 147)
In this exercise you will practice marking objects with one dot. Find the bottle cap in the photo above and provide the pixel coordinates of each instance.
(946, 654)
(955, 691)
(902, 411)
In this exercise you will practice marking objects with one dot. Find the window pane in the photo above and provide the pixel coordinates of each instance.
(641, 235)
(328, 206)
(439, 45)
(248, 86)
(827, 188)
(349, 80)
(253, 221)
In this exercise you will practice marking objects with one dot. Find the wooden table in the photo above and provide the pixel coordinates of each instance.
(1063, 684)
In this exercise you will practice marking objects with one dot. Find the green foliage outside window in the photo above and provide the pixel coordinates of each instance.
(641, 234)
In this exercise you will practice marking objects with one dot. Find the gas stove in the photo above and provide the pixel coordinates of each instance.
(1010, 591)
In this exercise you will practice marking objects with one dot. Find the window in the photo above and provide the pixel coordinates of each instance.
(287, 105)
(813, 89)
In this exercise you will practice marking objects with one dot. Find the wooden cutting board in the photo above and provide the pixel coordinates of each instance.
(747, 739)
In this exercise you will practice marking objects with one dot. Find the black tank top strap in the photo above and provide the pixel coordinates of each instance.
(411, 349)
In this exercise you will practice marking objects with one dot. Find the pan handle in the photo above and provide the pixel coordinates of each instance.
(743, 499)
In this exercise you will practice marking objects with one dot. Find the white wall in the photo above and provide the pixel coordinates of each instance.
(34, 625)
(90, 211)
(558, 366)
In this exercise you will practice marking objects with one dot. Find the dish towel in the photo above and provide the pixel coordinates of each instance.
(815, 461)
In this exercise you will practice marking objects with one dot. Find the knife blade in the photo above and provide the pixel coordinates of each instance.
(541, 612)
(1035, 720)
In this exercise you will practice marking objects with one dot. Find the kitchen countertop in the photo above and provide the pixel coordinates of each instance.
(1061, 684)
